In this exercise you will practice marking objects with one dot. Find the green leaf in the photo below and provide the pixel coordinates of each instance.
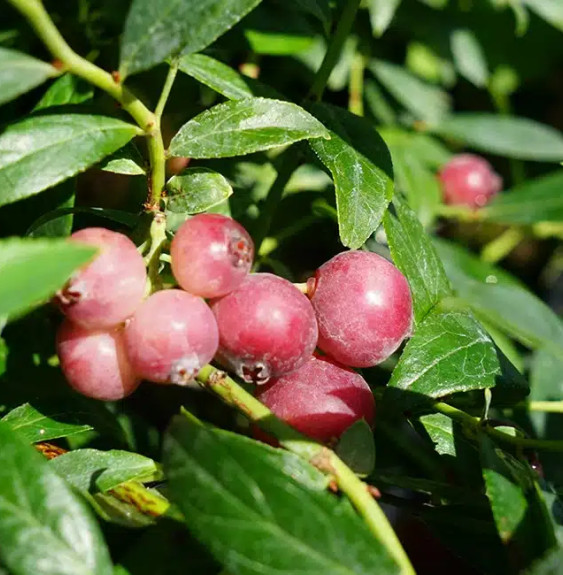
(469, 57)
(518, 508)
(539, 200)
(501, 299)
(33, 425)
(222, 78)
(157, 29)
(42, 151)
(60, 197)
(361, 168)
(381, 13)
(320, 9)
(44, 528)
(550, 564)
(425, 101)
(67, 89)
(91, 470)
(196, 190)
(241, 127)
(20, 73)
(509, 136)
(550, 10)
(449, 353)
(126, 160)
(242, 502)
(32, 270)
(356, 448)
(416, 257)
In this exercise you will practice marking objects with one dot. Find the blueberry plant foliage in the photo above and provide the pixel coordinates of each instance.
(320, 126)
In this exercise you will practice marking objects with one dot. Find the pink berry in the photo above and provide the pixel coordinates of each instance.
(363, 306)
(170, 337)
(211, 255)
(321, 399)
(267, 327)
(94, 362)
(469, 180)
(109, 289)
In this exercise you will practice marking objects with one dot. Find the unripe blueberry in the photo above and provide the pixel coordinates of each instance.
(267, 327)
(469, 180)
(109, 289)
(211, 255)
(170, 337)
(94, 362)
(363, 306)
(321, 399)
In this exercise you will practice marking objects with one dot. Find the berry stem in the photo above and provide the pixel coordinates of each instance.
(38, 18)
(479, 425)
(167, 88)
(322, 457)
(356, 95)
(152, 259)
(546, 406)
(502, 245)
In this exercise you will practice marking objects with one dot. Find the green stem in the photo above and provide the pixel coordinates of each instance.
(43, 25)
(167, 88)
(152, 259)
(356, 97)
(323, 458)
(501, 246)
(477, 425)
(546, 406)
(334, 49)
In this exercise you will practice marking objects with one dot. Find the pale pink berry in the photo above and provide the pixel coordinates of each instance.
(321, 399)
(94, 362)
(267, 327)
(108, 290)
(469, 180)
(170, 337)
(363, 306)
(211, 255)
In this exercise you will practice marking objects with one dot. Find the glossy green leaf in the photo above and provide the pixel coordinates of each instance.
(550, 10)
(518, 508)
(222, 78)
(361, 168)
(157, 29)
(44, 528)
(381, 14)
(469, 57)
(356, 447)
(245, 506)
(126, 160)
(20, 73)
(33, 425)
(509, 136)
(91, 470)
(32, 270)
(416, 257)
(196, 190)
(42, 151)
(501, 299)
(425, 101)
(67, 89)
(241, 127)
(539, 200)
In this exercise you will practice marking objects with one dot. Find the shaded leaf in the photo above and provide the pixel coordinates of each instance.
(60, 197)
(68, 89)
(469, 57)
(381, 14)
(241, 127)
(126, 160)
(356, 447)
(360, 164)
(41, 151)
(550, 10)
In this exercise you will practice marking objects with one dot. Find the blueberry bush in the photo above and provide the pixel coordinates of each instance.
(279, 287)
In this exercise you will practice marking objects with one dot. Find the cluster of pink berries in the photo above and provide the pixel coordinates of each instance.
(357, 310)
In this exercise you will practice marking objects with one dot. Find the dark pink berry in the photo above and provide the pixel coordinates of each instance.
(363, 306)
(170, 337)
(211, 255)
(469, 180)
(321, 399)
(109, 289)
(267, 327)
(94, 362)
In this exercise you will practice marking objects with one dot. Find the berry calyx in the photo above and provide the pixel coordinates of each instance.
(94, 362)
(469, 180)
(170, 337)
(211, 255)
(321, 399)
(363, 306)
(107, 290)
(267, 327)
